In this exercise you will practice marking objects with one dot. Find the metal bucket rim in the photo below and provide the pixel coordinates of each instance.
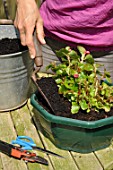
(14, 54)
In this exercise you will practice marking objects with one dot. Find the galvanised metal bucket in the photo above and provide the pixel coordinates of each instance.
(15, 74)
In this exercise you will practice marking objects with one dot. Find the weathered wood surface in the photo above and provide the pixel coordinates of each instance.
(11, 8)
(2, 14)
(23, 121)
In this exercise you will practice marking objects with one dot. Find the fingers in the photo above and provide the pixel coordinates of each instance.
(30, 43)
(22, 36)
(19, 25)
(26, 37)
(40, 32)
(26, 25)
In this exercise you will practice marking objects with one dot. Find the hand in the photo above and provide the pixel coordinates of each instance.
(27, 19)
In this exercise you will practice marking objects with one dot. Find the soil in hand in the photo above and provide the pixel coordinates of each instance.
(61, 106)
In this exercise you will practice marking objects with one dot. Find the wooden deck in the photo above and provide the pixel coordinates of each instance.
(23, 122)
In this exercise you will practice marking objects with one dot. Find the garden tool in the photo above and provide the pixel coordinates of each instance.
(28, 144)
(38, 59)
(39, 62)
(42, 93)
(20, 153)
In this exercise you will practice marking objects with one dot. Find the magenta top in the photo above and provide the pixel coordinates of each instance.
(85, 22)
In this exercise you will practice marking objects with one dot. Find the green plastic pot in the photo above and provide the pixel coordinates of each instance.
(71, 134)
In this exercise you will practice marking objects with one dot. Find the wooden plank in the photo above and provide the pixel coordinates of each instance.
(87, 161)
(38, 2)
(65, 163)
(58, 163)
(7, 134)
(24, 126)
(11, 8)
(1, 165)
(2, 14)
(106, 157)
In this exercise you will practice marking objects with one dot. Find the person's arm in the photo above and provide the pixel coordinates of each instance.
(27, 18)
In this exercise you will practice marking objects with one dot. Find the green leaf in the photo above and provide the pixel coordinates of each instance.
(92, 75)
(107, 93)
(83, 104)
(51, 65)
(88, 67)
(82, 75)
(75, 108)
(62, 52)
(58, 81)
(69, 84)
(106, 108)
(74, 96)
(59, 72)
(89, 59)
(67, 48)
(93, 101)
(88, 110)
(107, 74)
(72, 72)
(67, 70)
(99, 105)
(90, 80)
(62, 89)
(92, 92)
(73, 55)
(102, 92)
(81, 49)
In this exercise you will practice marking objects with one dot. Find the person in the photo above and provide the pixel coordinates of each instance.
(57, 24)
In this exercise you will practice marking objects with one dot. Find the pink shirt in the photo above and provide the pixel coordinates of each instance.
(85, 22)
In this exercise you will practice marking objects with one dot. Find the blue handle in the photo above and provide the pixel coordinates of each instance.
(108, 83)
(21, 140)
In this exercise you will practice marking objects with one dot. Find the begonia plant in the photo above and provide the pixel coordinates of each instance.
(80, 81)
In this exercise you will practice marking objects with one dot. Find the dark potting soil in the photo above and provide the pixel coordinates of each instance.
(61, 106)
(9, 46)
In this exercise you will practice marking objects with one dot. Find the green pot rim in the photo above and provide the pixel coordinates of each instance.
(68, 121)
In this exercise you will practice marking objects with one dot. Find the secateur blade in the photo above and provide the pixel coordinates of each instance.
(36, 159)
(27, 143)
(48, 152)
(19, 153)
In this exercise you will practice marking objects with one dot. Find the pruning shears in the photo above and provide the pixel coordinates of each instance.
(105, 81)
(20, 153)
(27, 143)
